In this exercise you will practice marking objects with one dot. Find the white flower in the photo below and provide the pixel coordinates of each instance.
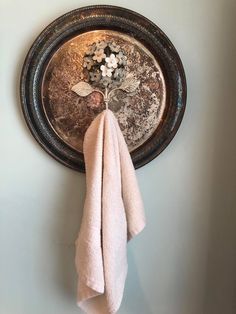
(119, 73)
(114, 47)
(106, 81)
(106, 71)
(101, 44)
(99, 55)
(122, 59)
(95, 76)
(88, 63)
(91, 49)
(111, 61)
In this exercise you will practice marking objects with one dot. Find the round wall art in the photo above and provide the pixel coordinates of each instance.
(100, 56)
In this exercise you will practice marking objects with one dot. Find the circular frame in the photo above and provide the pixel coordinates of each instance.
(86, 19)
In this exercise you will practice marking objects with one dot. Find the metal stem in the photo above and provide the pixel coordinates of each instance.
(105, 96)
(106, 99)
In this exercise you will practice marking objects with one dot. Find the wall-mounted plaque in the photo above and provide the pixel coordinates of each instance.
(100, 56)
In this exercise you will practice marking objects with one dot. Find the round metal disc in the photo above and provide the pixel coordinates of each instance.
(58, 118)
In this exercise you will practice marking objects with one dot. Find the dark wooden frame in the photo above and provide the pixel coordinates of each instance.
(93, 18)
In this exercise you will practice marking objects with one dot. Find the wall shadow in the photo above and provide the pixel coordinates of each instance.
(220, 296)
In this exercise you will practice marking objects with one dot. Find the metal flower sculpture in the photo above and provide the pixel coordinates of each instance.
(105, 71)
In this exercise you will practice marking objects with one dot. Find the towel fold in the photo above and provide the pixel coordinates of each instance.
(113, 213)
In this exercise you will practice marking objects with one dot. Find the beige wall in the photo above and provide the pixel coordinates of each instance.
(185, 260)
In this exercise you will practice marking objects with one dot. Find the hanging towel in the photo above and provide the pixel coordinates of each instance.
(113, 214)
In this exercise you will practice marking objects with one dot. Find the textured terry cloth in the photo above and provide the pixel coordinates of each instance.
(113, 214)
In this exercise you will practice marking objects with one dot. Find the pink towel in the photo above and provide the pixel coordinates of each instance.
(113, 214)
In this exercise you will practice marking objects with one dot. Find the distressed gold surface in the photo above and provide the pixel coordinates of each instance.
(139, 113)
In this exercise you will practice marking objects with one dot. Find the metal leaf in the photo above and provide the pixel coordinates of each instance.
(82, 89)
(130, 84)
